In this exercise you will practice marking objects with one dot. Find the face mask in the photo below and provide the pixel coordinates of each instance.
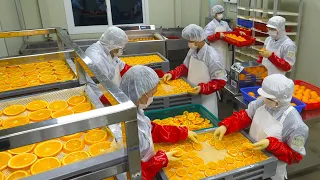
(271, 103)
(273, 34)
(144, 106)
(219, 16)
(192, 46)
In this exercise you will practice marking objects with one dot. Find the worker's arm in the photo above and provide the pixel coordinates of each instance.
(151, 167)
(286, 59)
(166, 133)
(123, 67)
(217, 72)
(227, 26)
(182, 70)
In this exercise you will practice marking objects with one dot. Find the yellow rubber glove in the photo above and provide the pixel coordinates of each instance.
(196, 90)
(220, 132)
(265, 53)
(261, 145)
(167, 77)
(193, 136)
(170, 156)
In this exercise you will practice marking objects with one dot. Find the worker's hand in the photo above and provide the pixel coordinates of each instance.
(242, 33)
(261, 145)
(193, 136)
(265, 53)
(196, 90)
(170, 156)
(221, 35)
(167, 77)
(220, 132)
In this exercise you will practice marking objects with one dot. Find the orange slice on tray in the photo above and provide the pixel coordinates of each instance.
(83, 107)
(74, 157)
(191, 154)
(247, 154)
(19, 84)
(212, 165)
(15, 121)
(75, 100)
(18, 175)
(16, 74)
(192, 169)
(14, 110)
(178, 153)
(181, 172)
(42, 65)
(61, 113)
(47, 68)
(186, 163)
(2, 177)
(221, 170)
(46, 73)
(232, 152)
(95, 136)
(58, 105)
(26, 66)
(209, 136)
(4, 159)
(210, 172)
(62, 71)
(65, 77)
(230, 167)
(218, 144)
(48, 78)
(73, 145)
(45, 164)
(23, 149)
(197, 160)
(197, 146)
(229, 160)
(238, 164)
(36, 105)
(72, 136)
(222, 163)
(170, 174)
(249, 146)
(198, 175)
(99, 148)
(40, 115)
(202, 138)
(48, 148)
(202, 167)
(22, 161)
(239, 157)
(60, 67)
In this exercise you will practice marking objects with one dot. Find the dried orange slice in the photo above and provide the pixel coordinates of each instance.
(236, 143)
(209, 136)
(23, 149)
(65, 76)
(202, 138)
(58, 105)
(36, 105)
(248, 161)
(4, 88)
(61, 67)
(202, 167)
(47, 68)
(263, 157)
(22, 161)
(29, 70)
(239, 157)
(2, 176)
(241, 148)
(14, 110)
(62, 71)
(221, 170)
(191, 154)
(188, 147)
(99, 148)
(16, 74)
(45, 164)
(74, 100)
(73, 145)
(26, 66)
(19, 84)
(212, 142)
(95, 136)
(238, 164)
(248, 146)
(177, 165)
(212, 165)
(72, 136)
(247, 154)
(42, 65)
(232, 152)
(198, 160)
(4, 159)
(229, 160)
(210, 173)
(48, 148)
(197, 146)
(48, 78)
(40, 115)
(181, 172)
(192, 169)
(186, 163)
(230, 167)
(178, 153)
(222, 163)
(198, 175)
(18, 175)
(74, 157)
(15, 121)
(46, 73)
(83, 107)
(64, 112)
(218, 144)
(170, 173)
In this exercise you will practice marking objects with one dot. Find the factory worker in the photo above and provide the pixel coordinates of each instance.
(274, 123)
(140, 84)
(216, 27)
(279, 52)
(202, 67)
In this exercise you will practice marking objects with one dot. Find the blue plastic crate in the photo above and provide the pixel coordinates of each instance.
(245, 23)
(178, 110)
(247, 98)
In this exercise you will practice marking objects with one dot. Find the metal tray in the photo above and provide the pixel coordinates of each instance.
(260, 170)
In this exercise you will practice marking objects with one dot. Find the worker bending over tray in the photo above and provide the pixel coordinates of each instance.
(274, 123)
(140, 84)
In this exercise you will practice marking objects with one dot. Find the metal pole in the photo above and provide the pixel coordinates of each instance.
(20, 17)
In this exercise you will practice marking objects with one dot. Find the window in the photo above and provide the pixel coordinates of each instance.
(94, 16)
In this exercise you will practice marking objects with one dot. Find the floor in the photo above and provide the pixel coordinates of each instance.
(226, 109)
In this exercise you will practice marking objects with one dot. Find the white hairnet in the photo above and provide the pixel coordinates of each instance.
(279, 23)
(138, 81)
(216, 10)
(193, 33)
(113, 38)
(279, 86)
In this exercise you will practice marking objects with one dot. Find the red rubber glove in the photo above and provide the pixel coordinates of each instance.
(236, 122)
(181, 70)
(154, 165)
(214, 37)
(283, 152)
(159, 72)
(165, 133)
(260, 59)
(279, 62)
(104, 100)
(125, 69)
(212, 86)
